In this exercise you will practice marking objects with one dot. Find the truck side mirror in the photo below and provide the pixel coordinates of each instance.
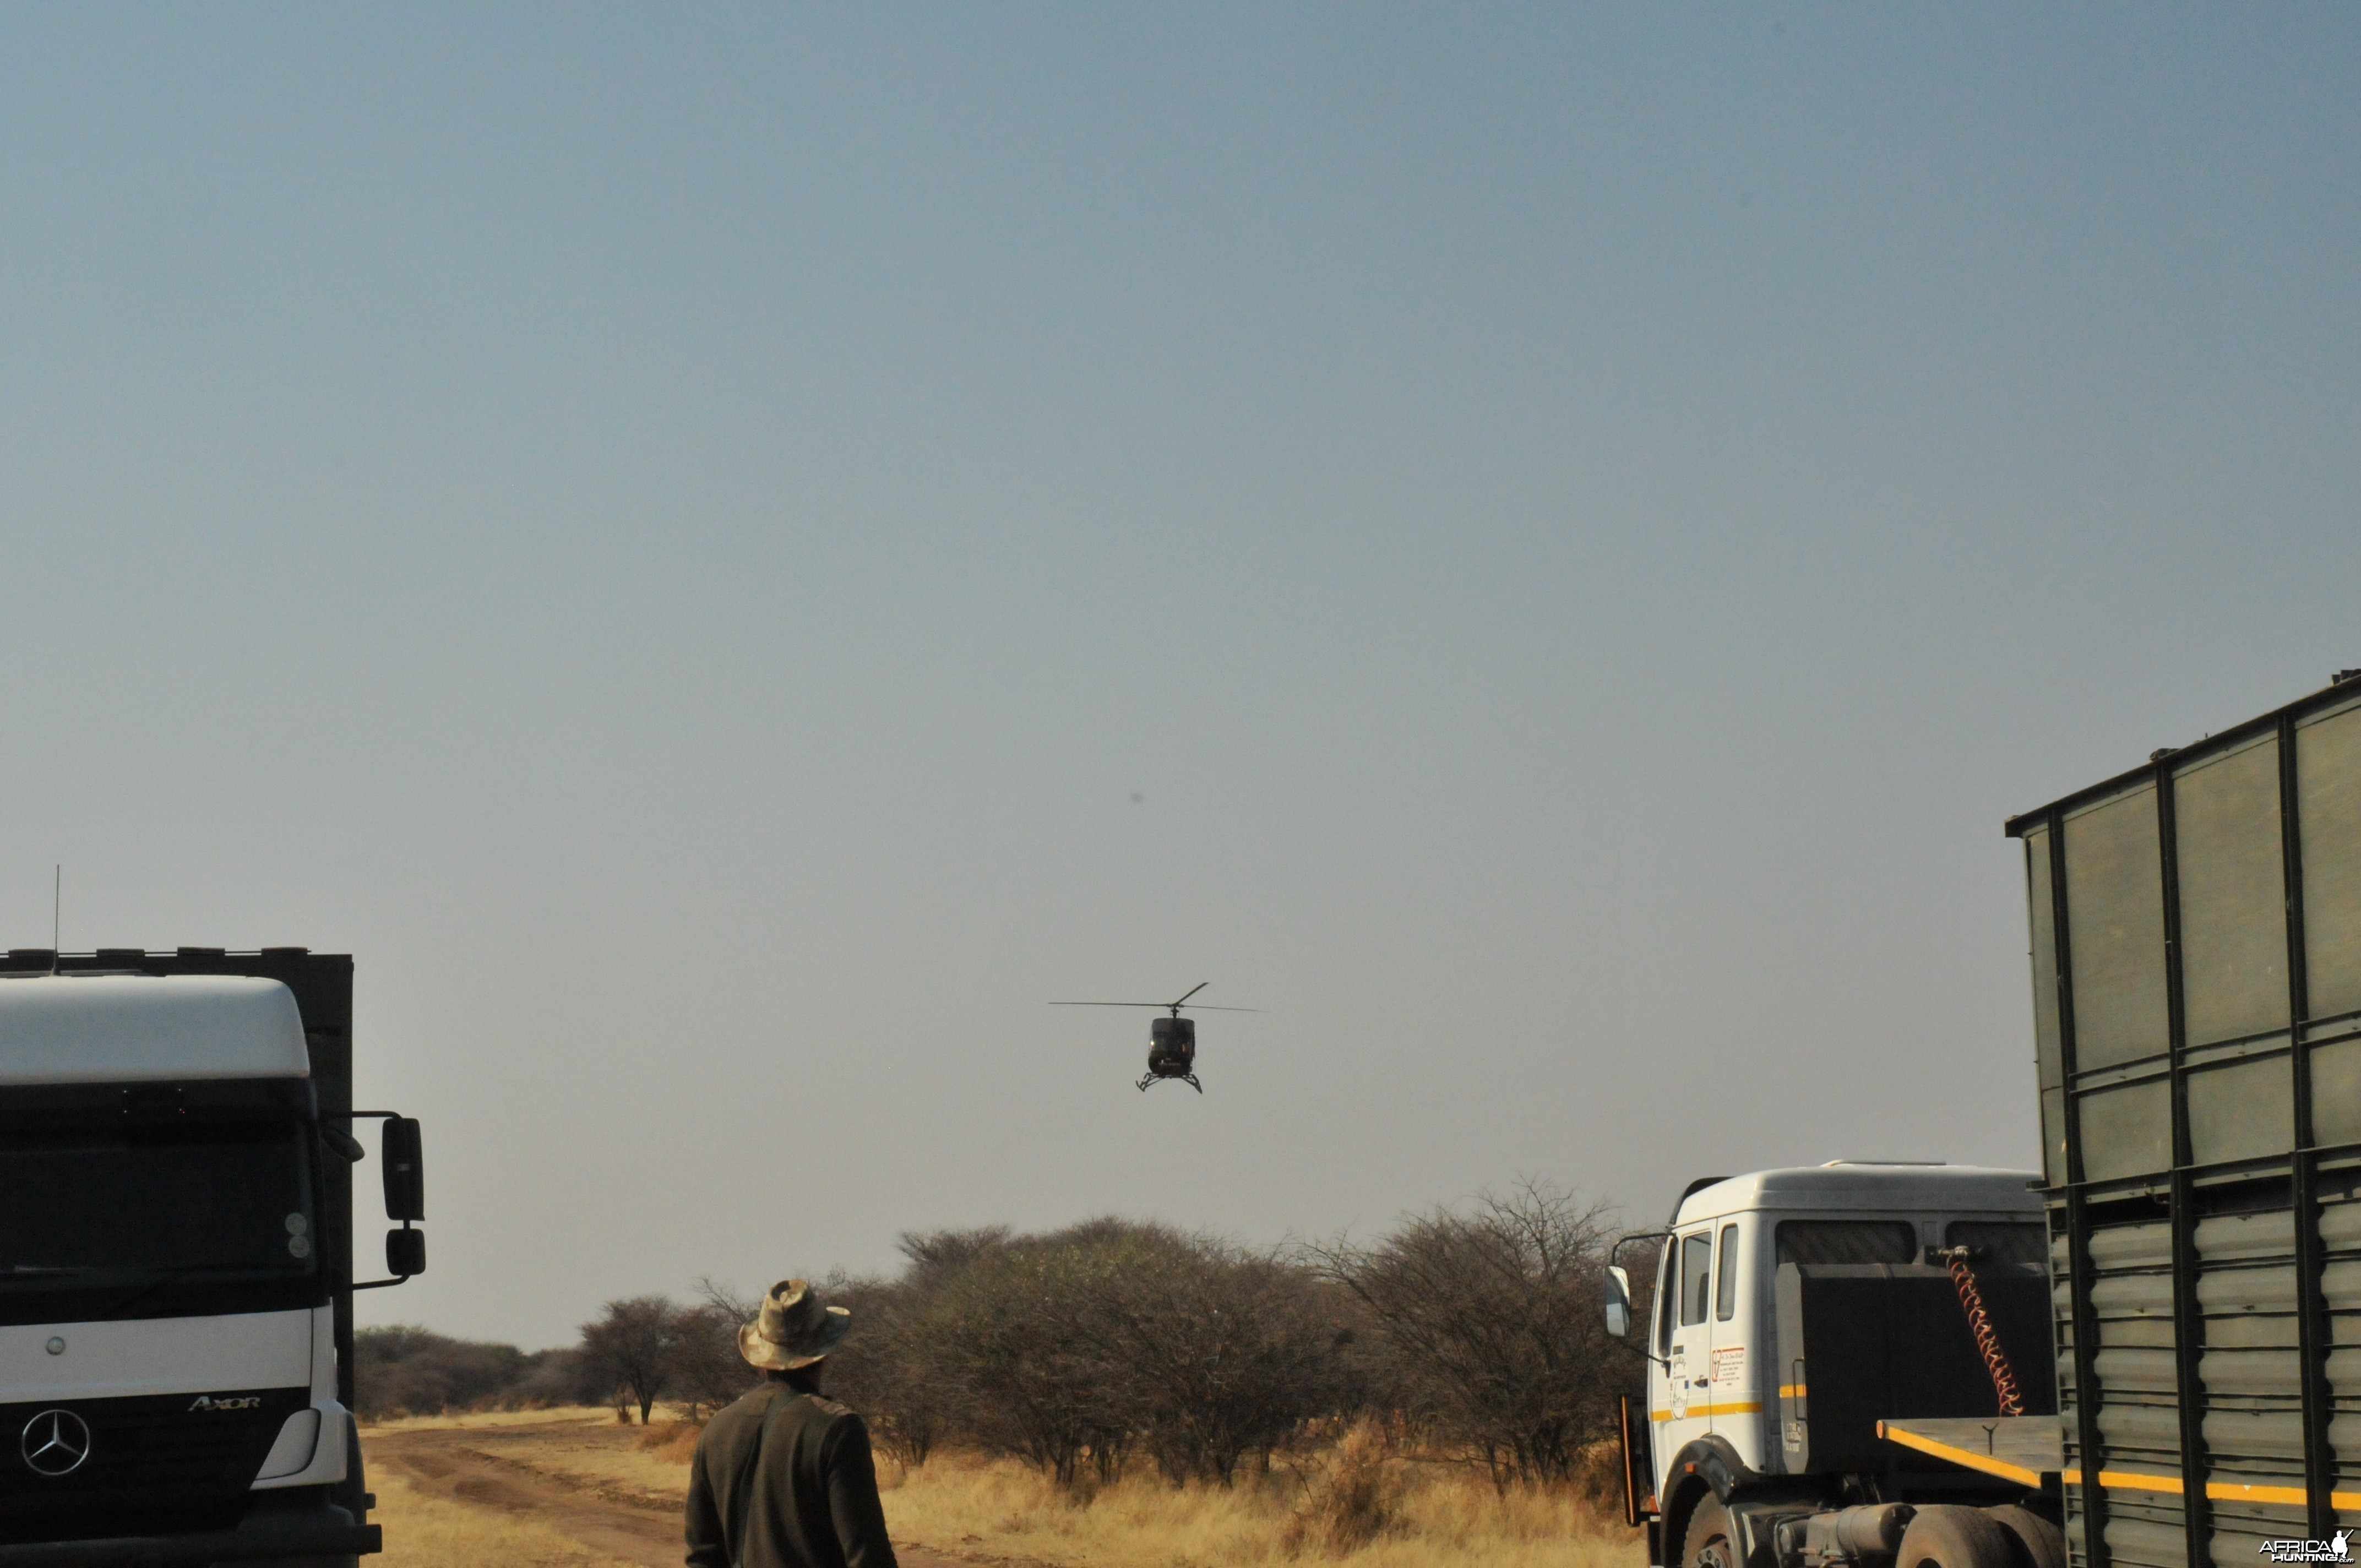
(405, 1172)
(1619, 1303)
(405, 1252)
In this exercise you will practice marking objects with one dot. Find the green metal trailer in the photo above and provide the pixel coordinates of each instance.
(2196, 945)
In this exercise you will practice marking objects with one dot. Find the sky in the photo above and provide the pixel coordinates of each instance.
(730, 554)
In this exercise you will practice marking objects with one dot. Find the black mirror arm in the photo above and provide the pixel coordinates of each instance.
(392, 1279)
(1620, 1344)
(346, 1146)
(1621, 1242)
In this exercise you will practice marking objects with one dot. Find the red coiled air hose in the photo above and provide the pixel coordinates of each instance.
(1972, 1301)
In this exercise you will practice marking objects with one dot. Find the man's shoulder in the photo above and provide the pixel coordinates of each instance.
(747, 1410)
(820, 1409)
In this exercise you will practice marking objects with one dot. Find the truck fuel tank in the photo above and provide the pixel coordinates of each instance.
(1849, 1535)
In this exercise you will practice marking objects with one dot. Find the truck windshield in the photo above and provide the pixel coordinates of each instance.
(95, 1204)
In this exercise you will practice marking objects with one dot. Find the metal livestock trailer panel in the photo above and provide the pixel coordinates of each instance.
(2196, 932)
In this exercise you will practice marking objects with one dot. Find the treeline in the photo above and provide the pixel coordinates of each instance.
(411, 1371)
(1474, 1331)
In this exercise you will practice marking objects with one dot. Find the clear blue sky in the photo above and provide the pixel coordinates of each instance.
(678, 534)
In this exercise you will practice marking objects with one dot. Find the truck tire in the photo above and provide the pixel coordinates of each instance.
(1705, 1541)
(1946, 1536)
(2034, 1542)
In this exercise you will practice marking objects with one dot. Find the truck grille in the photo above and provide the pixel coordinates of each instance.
(154, 1464)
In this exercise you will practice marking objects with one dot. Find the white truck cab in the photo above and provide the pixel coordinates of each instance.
(1728, 1408)
(175, 1273)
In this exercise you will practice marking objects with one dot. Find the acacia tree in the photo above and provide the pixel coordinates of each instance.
(1217, 1353)
(1000, 1329)
(708, 1372)
(633, 1349)
(1091, 1343)
(885, 1368)
(1493, 1319)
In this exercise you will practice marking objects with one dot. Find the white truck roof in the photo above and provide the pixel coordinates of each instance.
(113, 1028)
(1861, 1185)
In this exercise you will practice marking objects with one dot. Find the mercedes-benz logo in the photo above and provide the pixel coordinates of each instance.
(56, 1442)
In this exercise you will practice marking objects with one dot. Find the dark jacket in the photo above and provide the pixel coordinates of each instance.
(784, 1479)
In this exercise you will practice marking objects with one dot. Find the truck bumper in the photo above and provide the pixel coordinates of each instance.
(323, 1540)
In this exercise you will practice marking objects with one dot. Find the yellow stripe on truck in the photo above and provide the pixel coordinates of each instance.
(1734, 1408)
(1962, 1457)
(2220, 1491)
(1791, 1391)
(2116, 1480)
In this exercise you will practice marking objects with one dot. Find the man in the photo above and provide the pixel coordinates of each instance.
(784, 1477)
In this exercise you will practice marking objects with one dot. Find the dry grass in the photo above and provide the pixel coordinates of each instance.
(572, 1415)
(1349, 1502)
(429, 1532)
(1359, 1502)
(670, 1441)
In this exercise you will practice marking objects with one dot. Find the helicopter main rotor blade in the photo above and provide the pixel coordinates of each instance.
(1193, 991)
(1195, 1007)
(1162, 1006)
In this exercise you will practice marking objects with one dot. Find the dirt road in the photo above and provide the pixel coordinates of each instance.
(497, 1468)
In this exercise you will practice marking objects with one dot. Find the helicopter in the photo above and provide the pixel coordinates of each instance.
(1171, 1042)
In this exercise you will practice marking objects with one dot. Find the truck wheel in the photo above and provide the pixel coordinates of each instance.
(1705, 1543)
(2034, 1542)
(1946, 1536)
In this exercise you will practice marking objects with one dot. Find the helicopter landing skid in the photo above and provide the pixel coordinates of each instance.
(1188, 1078)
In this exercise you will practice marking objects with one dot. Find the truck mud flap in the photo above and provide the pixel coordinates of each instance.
(182, 1551)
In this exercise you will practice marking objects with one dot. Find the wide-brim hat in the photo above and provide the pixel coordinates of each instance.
(794, 1329)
